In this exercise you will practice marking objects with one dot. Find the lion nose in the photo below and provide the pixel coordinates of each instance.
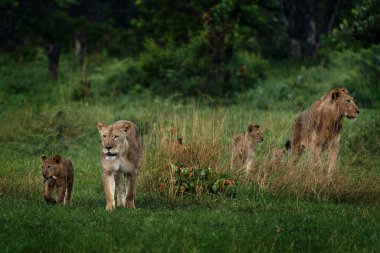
(108, 147)
(357, 111)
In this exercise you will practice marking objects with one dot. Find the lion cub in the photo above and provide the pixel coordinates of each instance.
(277, 157)
(174, 144)
(121, 155)
(58, 173)
(244, 147)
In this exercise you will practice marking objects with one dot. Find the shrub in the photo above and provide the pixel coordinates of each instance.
(187, 70)
(180, 179)
(365, 81)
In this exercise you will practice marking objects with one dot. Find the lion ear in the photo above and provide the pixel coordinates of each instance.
(100, 126)
(251, 127)
(57, 159)
(43, 157)
(125, 126)
(338, 92)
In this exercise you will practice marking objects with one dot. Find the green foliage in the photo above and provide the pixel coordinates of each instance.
(179, 178)
(186, 70)
(361, 27)
(363, 136)
(295, 86)
(366, 82)
(360, 73)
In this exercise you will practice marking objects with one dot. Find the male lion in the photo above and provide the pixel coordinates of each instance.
(58, 173)
(319, 127)
(121, 155)
(244, 147)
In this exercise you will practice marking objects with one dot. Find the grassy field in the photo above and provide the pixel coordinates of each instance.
(254, 221)
(272, 211)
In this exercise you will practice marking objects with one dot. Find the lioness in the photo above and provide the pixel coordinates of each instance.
(121, 155)
(319, 127)
(244, 147)
(58, 173)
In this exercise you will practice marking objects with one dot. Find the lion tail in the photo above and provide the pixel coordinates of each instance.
(288, 144)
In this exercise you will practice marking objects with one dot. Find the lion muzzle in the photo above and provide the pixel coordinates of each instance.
(110, 156)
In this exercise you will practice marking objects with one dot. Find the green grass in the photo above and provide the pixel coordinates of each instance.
(275, 213)
(251, 222)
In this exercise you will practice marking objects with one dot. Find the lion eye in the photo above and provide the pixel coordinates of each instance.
(349, 100)
(104, 136)
(116, 136)
(48, 167)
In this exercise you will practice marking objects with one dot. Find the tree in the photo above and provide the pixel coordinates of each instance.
(306, 21)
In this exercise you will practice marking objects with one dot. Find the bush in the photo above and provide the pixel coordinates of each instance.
(186, 70)
(365, 81)
(179, 179)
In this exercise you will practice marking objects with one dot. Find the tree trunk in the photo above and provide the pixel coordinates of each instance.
(301, 26)
(54, 53)
(330, 15)
(295, 48)
(311, 41)
(80, 48)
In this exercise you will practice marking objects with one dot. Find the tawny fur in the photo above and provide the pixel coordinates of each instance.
(277, 159)
(172, 143)
(278, 155)
(121, 155)
(319, 127)
(244, 147)
(58, 173)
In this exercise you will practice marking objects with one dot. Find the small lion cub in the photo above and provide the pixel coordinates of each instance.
(277, 158)
(58, 173)
(244, 147)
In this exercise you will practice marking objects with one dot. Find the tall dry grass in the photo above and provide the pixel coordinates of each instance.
(206, 134)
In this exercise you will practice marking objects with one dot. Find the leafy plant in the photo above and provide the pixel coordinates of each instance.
(180, 179)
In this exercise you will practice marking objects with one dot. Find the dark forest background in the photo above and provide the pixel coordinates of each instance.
(212, 48)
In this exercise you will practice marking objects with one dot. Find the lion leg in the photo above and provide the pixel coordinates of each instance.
(47, 194)
(249, 163)
(333, 150)
(296, 147)
(69, 187)
(120, 190)
(131, 190)
(316, 159)
(295, 155)
(109, 190)
(233, 158)
(236, 160)
(61, 190)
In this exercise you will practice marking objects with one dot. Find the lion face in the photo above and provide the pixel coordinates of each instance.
(345, 103)
(279, 154)
(254, 133)
(113, 139)
(51, 167)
